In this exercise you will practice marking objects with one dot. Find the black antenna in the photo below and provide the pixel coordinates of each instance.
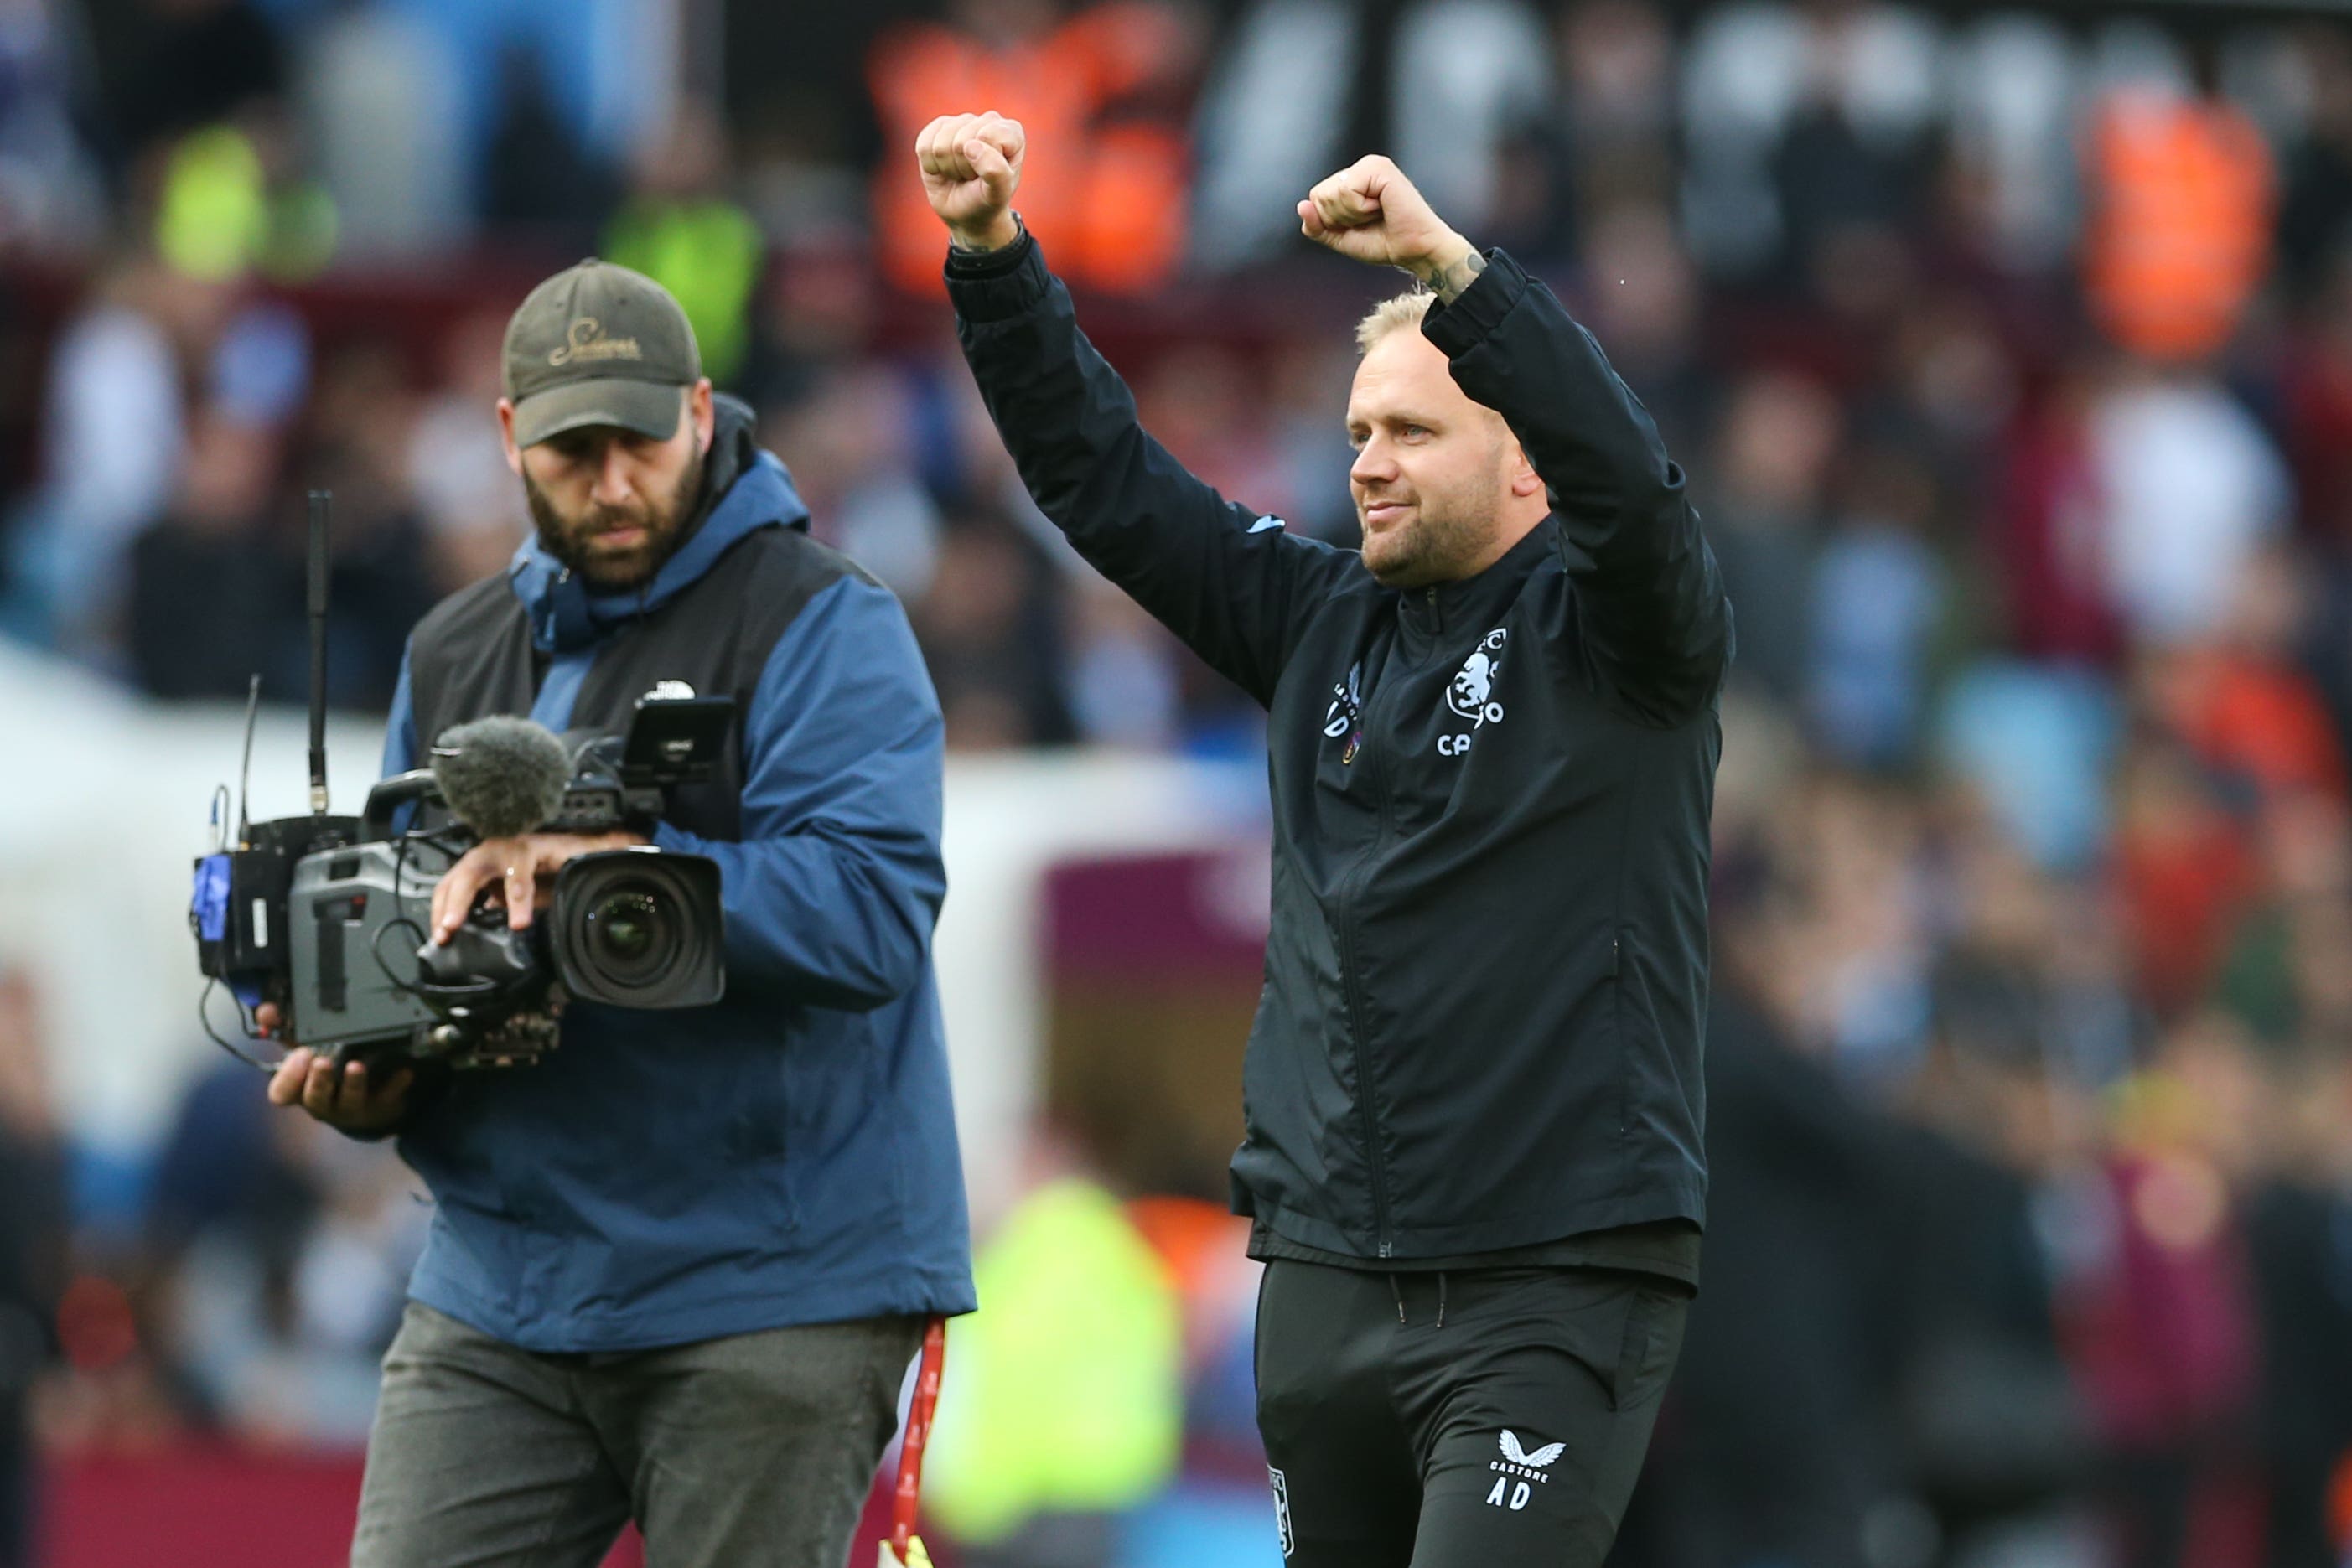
(244, 773)
(319, 499)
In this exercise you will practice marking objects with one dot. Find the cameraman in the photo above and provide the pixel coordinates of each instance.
(678, 1268)
(1471, 1102)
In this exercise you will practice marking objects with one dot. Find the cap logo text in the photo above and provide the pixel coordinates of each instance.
(586, 341)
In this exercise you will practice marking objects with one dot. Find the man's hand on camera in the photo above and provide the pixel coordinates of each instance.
(523, 871)
(344, 1100)
(1369, 212)
(970, 165)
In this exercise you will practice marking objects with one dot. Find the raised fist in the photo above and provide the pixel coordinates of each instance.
(972, 166)
(1370, 212)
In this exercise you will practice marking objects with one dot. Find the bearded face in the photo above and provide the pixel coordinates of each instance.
(1431, 468)
(615, 544)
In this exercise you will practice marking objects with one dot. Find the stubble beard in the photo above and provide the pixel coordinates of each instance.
(1440, 541)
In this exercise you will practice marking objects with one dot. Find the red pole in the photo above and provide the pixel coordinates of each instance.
(918, 1432)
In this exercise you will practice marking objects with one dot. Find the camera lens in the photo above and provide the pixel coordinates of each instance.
(632, 934)
(639, 928)
(627, 930)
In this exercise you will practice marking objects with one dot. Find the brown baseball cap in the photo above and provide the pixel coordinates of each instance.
(599, 344)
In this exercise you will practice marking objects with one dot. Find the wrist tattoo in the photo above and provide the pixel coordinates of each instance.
(1448, 282)
(956, 241)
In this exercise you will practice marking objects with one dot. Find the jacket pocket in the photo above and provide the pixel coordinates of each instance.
(1632, 1028)
(759, 1136)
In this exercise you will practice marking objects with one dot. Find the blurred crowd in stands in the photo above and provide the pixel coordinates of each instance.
(2008, 352)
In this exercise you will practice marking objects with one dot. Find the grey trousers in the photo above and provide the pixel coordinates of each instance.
(753, 1451)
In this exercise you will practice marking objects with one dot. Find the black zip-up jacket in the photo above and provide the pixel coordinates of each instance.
(1487, 974)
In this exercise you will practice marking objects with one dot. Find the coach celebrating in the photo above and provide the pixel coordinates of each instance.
(1471, 1096)
(677, 1270)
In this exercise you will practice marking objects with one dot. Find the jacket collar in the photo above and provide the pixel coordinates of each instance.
(745, 490)
(1442, 608)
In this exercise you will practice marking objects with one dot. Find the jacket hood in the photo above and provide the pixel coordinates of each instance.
(745, 489)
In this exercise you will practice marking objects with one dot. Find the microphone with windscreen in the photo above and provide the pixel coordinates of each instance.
(502, 775)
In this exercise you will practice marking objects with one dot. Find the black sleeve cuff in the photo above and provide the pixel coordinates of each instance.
(1478, 309)
(996, 284)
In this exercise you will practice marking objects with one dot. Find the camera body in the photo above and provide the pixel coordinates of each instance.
(330, 918)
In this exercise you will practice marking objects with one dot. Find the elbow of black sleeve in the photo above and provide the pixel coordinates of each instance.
(1706, 661)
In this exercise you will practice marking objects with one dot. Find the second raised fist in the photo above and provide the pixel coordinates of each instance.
(970, 165)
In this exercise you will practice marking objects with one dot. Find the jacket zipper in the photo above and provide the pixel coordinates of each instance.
(1374, 1165)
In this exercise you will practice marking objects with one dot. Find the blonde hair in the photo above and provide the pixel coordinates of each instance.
(1406, 309)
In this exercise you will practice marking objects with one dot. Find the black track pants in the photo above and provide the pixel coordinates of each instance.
(1460, 1420)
